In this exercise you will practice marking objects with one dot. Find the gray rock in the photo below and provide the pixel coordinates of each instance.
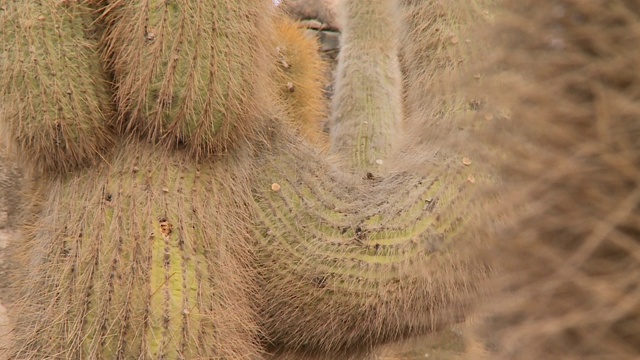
(330, 40)
(322, 10)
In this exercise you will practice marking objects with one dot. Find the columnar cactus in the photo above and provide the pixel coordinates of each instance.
(55, 98)
(366, 109)
(192, 72)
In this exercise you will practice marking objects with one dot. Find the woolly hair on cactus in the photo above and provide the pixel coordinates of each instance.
(192, 72)
(570, 284)
(301, 79)
(55, 99)
(145, 258)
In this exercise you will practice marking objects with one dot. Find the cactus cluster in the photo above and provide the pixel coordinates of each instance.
(189, 209)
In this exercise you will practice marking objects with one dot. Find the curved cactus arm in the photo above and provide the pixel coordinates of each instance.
(349, 263)
(367, 105)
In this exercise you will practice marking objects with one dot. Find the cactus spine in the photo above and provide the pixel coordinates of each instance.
(55, 101)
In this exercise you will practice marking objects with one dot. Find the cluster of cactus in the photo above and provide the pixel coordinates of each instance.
(190, 207)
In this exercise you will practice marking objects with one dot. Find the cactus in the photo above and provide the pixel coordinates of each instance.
(349, 263)
(145, 258)
(160, 251)
(366, 107)
(193, 73)
(153, 254)
(570, 186)
(432, 54)
(301, 79)
(55, 98)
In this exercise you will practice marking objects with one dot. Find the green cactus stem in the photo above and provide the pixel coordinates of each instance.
(192, 73)
(54, 97)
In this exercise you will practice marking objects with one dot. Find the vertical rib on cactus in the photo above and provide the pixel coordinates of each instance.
(367, 105)
(569, 257)
(348, 264)
(193, 72)
(55, 100)
(147, 258)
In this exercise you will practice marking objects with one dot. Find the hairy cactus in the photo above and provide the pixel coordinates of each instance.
(148, 257)
(349, 262)
(192, 72)
(432, 53)
(301, 79)
(366, 106)
(161, 251)
(55, 99)
(568, 254)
